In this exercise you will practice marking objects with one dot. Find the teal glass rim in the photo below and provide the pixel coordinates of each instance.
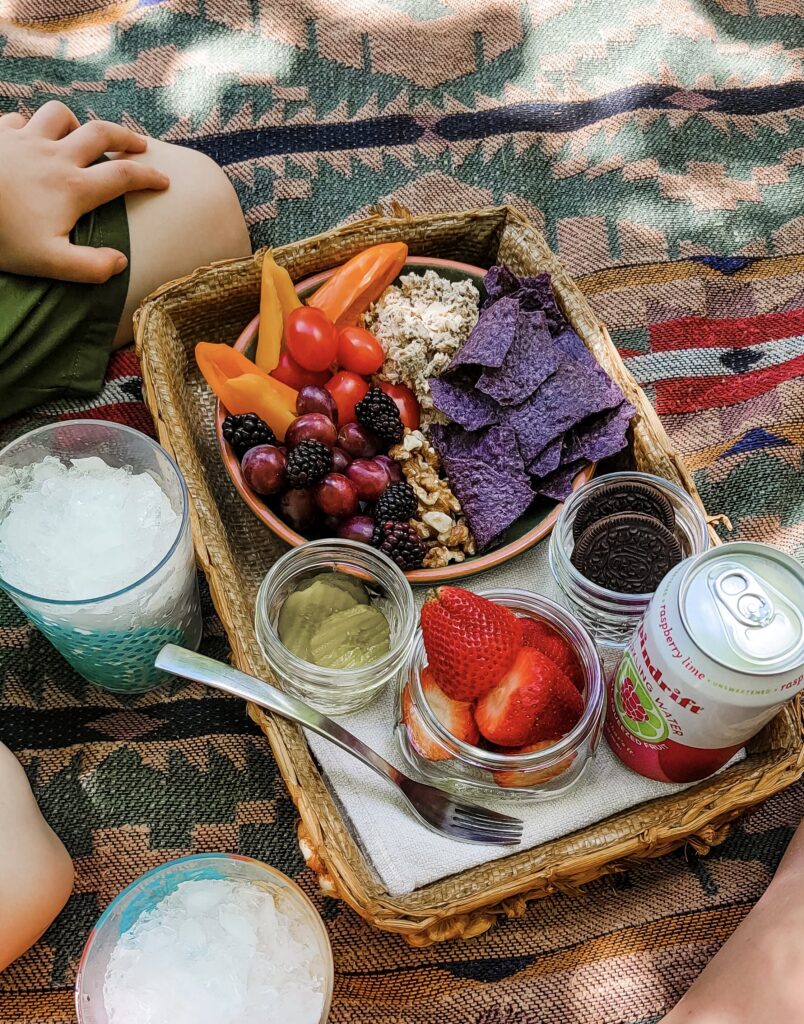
(185, 514)
(169, 865)
(203, 862)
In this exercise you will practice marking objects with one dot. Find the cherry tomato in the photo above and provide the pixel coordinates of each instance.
(406, 402)
(311, 338)
(295, 376)
(347, 389)
(359, 350)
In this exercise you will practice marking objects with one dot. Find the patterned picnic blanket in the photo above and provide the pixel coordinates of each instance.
(662, 152)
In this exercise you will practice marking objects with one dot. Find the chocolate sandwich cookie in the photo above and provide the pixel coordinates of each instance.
(624, 496)
(627, 553)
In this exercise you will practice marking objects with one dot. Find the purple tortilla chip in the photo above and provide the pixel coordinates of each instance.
(548, 459)
(600, 437)
(463, 403)
(492, 484)
(559, 484)
(533, 292)
(491, 337)
(530, 360)
(499, 281)
(452, 441)
(573, 346)
(578, 388)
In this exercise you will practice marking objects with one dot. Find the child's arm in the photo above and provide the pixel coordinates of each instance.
(49, 177)
(36, 873)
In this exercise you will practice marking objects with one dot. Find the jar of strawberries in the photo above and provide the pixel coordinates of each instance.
(504, 694)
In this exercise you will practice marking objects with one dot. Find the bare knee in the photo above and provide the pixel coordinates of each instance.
(196, 221)
(36, 873)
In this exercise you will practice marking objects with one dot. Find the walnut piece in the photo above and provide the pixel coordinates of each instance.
(441, 523)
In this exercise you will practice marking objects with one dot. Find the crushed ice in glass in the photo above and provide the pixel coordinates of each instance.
(83, 530)
(217, 952)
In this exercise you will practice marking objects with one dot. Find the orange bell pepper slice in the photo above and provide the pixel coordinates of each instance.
(243, 387)
(269, 338)
(253, 393)
(283, 283)
(359, 282)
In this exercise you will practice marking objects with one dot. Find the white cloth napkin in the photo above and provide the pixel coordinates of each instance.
(405, 854)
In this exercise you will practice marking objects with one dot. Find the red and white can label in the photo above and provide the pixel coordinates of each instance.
(647, 736)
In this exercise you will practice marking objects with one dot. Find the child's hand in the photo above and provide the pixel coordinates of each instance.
(49, 179)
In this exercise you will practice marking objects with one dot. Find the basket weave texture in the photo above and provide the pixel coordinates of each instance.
(235, 551)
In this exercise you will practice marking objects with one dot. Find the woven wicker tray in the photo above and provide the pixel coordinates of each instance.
(235, 551)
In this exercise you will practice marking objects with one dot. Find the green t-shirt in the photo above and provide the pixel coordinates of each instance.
(55, 336)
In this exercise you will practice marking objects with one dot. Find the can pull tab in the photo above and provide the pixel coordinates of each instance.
(760, 623)
(744, 596)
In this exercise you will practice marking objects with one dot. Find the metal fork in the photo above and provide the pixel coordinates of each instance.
(466, 823)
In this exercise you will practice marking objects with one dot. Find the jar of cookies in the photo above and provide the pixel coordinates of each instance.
(615, 538)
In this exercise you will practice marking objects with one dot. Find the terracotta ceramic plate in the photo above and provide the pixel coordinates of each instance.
(527, 531)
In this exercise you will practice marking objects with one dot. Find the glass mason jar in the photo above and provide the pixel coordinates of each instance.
(336, 691)
(609, 616)
(113, 639)
(540, 775)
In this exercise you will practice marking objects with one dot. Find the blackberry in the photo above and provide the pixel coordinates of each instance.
(397, 502)
(378, 413)
(378, 533)
(308, 462)
(402, 544)
(247, 431)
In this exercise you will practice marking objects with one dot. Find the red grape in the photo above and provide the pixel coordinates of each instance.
(370, 478)
(359, 528)
(313, 399)
(312, 426)
(340, 460)
(392, 467)
(357, 441)
(336, 495)
(264, 469)
(299, 510)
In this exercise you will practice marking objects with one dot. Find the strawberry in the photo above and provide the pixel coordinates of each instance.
(419, 738)
(518, 778)
(470, 642)
(455, 716)
(534, 701)
(550, 642)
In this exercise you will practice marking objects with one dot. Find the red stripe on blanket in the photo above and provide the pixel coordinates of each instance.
(123, 364)
(130, 414)
(732, 332)
(692, 394)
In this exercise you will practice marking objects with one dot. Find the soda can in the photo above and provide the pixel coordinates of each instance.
(719, 650)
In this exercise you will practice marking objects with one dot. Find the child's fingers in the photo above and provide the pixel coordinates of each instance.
(83, 263)
(13, 120)
(53, 121)
(89, 142)
(114, 178)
